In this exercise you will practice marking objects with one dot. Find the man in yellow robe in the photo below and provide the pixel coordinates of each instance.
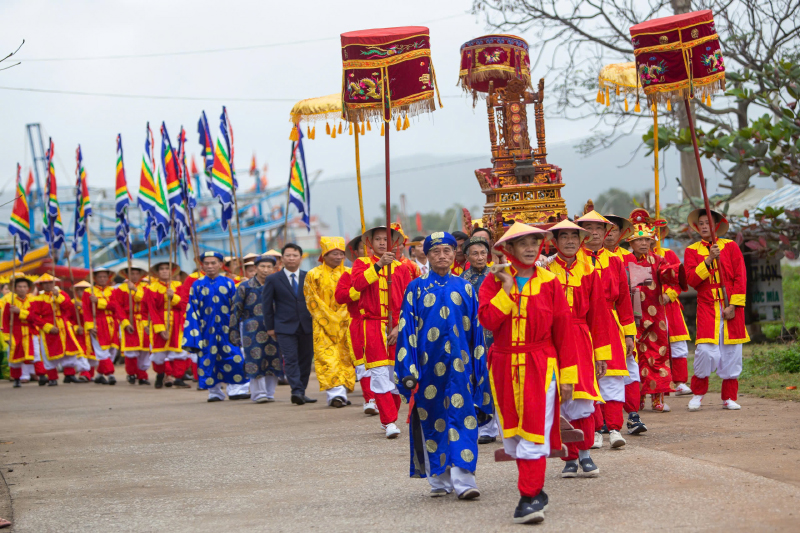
(333, 352)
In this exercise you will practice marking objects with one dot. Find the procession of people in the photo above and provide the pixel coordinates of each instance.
(564, 324)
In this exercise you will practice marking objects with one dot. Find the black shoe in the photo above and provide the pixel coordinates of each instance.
(283, 381)
(545, 500)
(70, 379)
(635, 424)
(570, 469)
(180, 384)
(604, 429)
(338, 402)
(144, 382)
(485, 439)
(132, 380)
(589, 468)
(298, 400)
(43, 381)
(82, 379)
(100, 379)
(52, 383)
(160, 381)
(309, 400)
(529, 510)
(235, 396)
(214, 399)
(112, 380)
(16, 384)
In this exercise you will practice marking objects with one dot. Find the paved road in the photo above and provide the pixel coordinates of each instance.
(130, 458)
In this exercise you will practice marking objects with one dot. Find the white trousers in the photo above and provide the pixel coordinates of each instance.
(100, 354)
(142, 358)
(679, 349)
(612, 388)
(519, 448)
(238, 388)
(633, 371)
(263, 387)
(339, 391)
(362, 372)
(454, 477)
(489, 430)
(160, 357)
(28, 369)
(382, 380)
(216, 392)
(577, 409)
(725, 359)
(83, 364)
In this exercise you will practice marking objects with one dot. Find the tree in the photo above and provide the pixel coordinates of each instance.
(583, 35)
(449, 220)
(618, 202)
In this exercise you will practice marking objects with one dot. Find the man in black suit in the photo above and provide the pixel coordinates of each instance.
(287, 320)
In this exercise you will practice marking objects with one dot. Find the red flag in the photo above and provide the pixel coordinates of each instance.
(29, 184)
(253, 166)
(419, 223)
(195, 172)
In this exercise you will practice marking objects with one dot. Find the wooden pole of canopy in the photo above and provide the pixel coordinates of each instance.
(389, 244)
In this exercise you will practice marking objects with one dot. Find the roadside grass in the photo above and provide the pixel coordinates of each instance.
(767, 370)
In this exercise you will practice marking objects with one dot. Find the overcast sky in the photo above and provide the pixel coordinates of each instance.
(288, 71)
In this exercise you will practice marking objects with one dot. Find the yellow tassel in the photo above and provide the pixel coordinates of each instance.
(340, 128)
(333, 135)
(327, 129)
(399, 124)
(653, 108)
(350, 128)
(626, 104)
(369, 127)
(600, 96)
(608, 97)
(382, 128)
(406, 123)
(313, 133)
(637, 108)
(616, 90)
(362, 128)
(709, 100)
(308, 132)
(669, 105)
(294, 135)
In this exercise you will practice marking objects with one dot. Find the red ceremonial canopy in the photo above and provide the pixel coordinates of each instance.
(678, 57)
(387, 69)
(494, 58)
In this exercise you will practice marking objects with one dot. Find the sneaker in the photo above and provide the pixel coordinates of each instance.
(570, 469)
(469, 494)
(392, 431)
(635, 424)
(604, 429)
(598, 441)
(617, 440)
(370, 408)
(529, 510)
(131, 380)
(658, 405)
(731, 405)
(52, 383)
(682, 390)
(159, 380)
(438, 493)
(589, 468)
(263, 399)
(180, 384)
(695, 402)
(112, 380)
(100, 379)
(338, 402)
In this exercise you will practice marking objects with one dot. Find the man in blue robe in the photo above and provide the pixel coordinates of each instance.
(262, 360)
(206, 330)
(442, 373)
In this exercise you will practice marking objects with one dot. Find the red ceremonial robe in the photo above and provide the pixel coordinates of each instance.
(56, 330)
(374, 306)
(138, 340)
(709, 293)
(155, 302)
(618, 300)
(345, 294)
(676, 324)
(533, 339)
(591, 320)
(25, 328)
(106, 312)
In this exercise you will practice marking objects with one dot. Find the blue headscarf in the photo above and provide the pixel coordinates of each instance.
(216, 255)
(438, 238)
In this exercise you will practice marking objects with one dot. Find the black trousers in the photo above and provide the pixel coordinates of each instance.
(298, 354)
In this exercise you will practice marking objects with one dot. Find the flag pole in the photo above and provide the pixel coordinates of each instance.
(169, 300)
(286, 215)
(13, 295)
(389, 243)
(238, 232)
(149, 274)
(72, 280)
(360, 196)
(91, 273)
(130, 294)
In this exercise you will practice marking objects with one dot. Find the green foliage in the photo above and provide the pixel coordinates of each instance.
(619, 202)
(791, 296)
(773, 360)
